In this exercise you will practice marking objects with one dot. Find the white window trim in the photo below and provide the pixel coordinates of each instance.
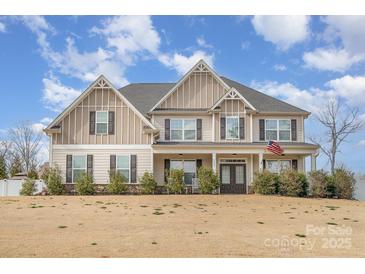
(183, 129)
(129, 165)
(96, 122)
(277, 130)
(281, 160)
(85, 169)
(183, 160)
(238, 119)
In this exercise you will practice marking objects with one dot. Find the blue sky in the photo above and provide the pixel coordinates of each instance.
(47, 61)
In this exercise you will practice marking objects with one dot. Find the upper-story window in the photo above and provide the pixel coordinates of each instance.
(101, 122)
(183, 129)
(278, 130)
(232, 127)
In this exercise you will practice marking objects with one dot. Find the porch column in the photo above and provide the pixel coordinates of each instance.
(314, 162)
(261, 164)
(214, 162)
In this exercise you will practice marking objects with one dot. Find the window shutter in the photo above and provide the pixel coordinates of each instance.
(111, 122)
(262, 129)
(198, 129)
(133, 168)
(113, 162)
(264, 164)
(199, 163)
(242, 128)
(92, 123)
(69, 169)
(167, 168)
(167, 129)
(293, 129)
(294, 164)
(90, 164)
(223, 128)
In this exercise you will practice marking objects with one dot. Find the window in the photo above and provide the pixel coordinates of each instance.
(277, 130)
(101, 122)
(276, 166)
(189, 167)
(78, 166)
(123, 166)
(183, 129)
(232, 127)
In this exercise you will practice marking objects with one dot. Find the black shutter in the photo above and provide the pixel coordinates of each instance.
(167, 168)
(294, 164)
(113, 162)
(242, 128)
(92, 123)
(199, 163)
(293, 129)
(111, 123)
(167, 129)
(264, 164)
(223, 128)
(262, 129)
(69, 169)
(133, 168)
(198, 129)
(90, 164)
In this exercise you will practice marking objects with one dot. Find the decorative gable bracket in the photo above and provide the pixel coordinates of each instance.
(232, 93)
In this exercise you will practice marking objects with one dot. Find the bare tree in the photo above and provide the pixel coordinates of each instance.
(26, 143)
(4, 148)
(339, 122)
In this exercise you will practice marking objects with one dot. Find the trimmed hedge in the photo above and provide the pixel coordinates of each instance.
(208, 180)
(175, 181)
(148, 183)
(84, 185)
(266, 183)
(117, 183)
(293, 183)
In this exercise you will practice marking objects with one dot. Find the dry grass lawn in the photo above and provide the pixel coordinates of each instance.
(180, 226)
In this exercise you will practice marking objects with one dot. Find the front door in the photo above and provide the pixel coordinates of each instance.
(233, 178)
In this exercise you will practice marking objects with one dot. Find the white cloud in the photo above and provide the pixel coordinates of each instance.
(349, 87)
(350, 32)
(362, 143)
(280, 67)
(202, 43)
(182, 63)
(57, 96)
(46, 120)
(330, 59)
(2, 27)
(283, 31)
(245, 45)
(38, 127)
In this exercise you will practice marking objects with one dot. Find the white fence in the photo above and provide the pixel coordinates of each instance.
(13, 187)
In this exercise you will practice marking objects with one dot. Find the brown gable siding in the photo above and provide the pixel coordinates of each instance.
(128, 125)
(199, 90)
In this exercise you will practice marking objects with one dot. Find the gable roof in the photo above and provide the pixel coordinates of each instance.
(261, 101)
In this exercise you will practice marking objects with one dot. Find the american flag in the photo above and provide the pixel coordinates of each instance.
(274, 148)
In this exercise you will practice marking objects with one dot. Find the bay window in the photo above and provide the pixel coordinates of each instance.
(277, 130)
(183, 129)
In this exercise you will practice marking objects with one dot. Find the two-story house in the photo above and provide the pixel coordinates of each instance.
(203, 119)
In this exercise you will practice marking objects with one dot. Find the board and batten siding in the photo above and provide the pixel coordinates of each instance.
(300, 125)
(159, 123)
(101, 160)
(128, 125)
(199, 90)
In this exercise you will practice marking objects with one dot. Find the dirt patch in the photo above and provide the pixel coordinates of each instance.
(181, 226)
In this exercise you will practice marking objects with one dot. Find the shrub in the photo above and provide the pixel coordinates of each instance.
(148, 183)
(293, 183)
(28, 188)
(208, 180)
(117, 183)
(84, 185)
(33, 174)
(319, 183)
(266, 183)
(53, 179)
(3, 171)
(344, 183)
(175, 181)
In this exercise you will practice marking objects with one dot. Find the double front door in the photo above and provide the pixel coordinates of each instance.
(233, 178)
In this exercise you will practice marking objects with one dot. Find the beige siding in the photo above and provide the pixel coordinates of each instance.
(159, 123)
(199, 90)
(102, 160)
(128, 125)
(300, 125)
(159, 163)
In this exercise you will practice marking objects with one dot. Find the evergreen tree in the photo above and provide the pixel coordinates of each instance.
(16, 166)
(3, 173)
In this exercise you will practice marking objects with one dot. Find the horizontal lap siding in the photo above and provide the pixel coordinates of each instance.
(102, 161)
(256, 118)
